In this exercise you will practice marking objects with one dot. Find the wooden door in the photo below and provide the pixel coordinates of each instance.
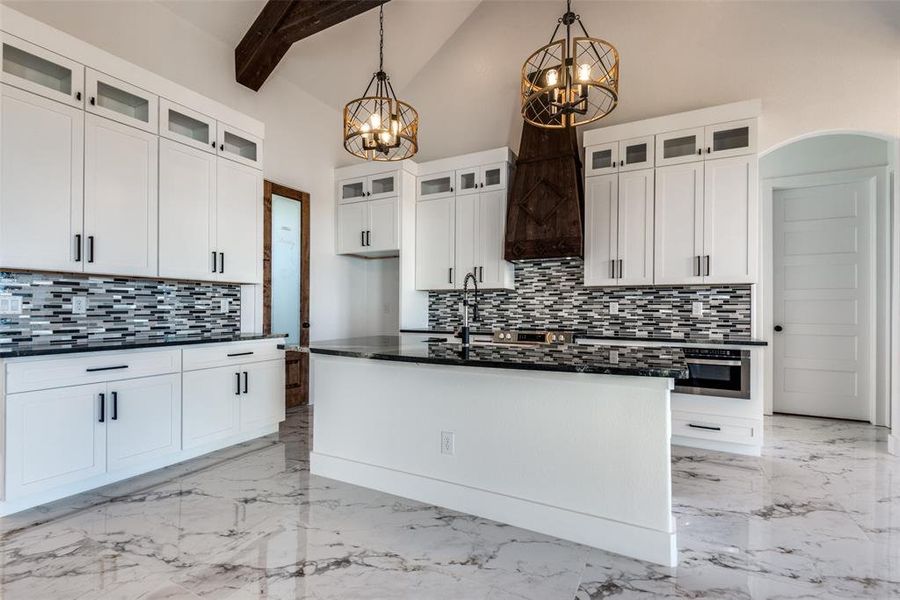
(678, 217)
(601, 231)
(238, 227)
(435, 245)
(144, 420)
(41, 183)
(187, 212)
(635, 227)
(120, 198)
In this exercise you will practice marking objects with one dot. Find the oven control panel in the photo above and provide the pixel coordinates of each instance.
(551, 338)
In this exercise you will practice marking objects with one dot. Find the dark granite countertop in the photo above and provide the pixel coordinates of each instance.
(572, 358)
(129, 344)
(663, 339)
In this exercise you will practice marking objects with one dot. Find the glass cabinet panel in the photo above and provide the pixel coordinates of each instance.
(39, 71)
(493, 176)
(381, 184)
(602, 159)
(636, 153)
(730, 139)
(239, 146)
(676, 147)
(120, 101)
(187, 126)
(36, 69)
(468, 181)
(355, 188)
(435, 185)
(681, 146)
(234, 144)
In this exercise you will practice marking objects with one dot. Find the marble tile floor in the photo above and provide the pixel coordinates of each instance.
(818, 516)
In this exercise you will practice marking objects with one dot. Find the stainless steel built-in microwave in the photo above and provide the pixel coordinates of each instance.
(716, 372)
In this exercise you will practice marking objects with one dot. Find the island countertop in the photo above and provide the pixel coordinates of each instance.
(636, 361)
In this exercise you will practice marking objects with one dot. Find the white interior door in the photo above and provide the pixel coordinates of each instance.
(823, 290)
(120, 198)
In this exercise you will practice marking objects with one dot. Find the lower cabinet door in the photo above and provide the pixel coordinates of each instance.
(144, 420)
(262, 394)
(54, 438)
(209, 405)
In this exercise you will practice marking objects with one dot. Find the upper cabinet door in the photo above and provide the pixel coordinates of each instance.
(731, 139)
(677, 147)
(239, 146)
(42, 72)
(636, 153)
(120, 101)
(493, 270)
(678, 216)
(383, 230)
(601, 230)
(383, 185)
(439, 185)
(120, 199)
(602, 159)
(239, 222)
(353, 220)
(187, 212)
(493, 177)
(41, 183)
(467, 180)
(730, 222)
(352, 190)
(466, 232)
(187, 126)
(435, 252)
(635, 228)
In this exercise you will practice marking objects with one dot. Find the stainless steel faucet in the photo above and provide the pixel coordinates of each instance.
(464, 308)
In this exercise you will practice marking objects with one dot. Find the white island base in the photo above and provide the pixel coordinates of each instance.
(582, 457)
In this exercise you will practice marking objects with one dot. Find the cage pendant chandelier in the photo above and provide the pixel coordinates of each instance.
(571, 81)
(378, 126)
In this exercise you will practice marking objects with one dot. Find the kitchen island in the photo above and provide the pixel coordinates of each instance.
(571, 441)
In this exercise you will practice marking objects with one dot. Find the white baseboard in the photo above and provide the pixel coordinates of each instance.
(745, 449)
(621, 538)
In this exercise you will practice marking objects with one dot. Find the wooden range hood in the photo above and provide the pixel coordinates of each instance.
(545, 214)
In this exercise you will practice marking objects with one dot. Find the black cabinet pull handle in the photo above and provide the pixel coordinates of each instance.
(215, 263)
(77, 247)
(97, 369)
(102, 408)
(93, 101)
(451, 188)
(612, 269)
(246, 381)
(368, 237)
(779, 328)
(115, 410)
(78, 95)
(708, 150)
(213, 143)
(697, 271)
(221, 262)
(222, 147)
(699, 151)
(707, 427)
(621, 267)
(450, 275)
(90, 248)
(240, 354)
(480, 274)
(707, 266)
(237, 391)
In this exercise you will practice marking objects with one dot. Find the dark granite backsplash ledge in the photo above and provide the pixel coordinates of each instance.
(550, 294)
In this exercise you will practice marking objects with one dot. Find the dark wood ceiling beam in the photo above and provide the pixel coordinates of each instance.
(279, 25)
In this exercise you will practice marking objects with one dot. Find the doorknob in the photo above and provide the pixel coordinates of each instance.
(305, 325)
(778, 328)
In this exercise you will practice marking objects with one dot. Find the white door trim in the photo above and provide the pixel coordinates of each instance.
(879, 410)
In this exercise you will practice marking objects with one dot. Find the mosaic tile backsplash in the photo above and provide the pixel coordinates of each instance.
(117, 309)
(549, 294)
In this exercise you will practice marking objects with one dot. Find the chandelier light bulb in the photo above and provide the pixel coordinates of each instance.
(584, 72)
(552, 77)
(375, 119)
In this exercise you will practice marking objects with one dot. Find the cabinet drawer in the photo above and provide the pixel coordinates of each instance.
(94, 367)
(715, 427)
(234, 353)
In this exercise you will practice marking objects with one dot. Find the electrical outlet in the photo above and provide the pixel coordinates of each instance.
(10, 305)
(696, 309)
(613, 308)
(447, 442)
(223, 305)
(79, 305)
(614, 357)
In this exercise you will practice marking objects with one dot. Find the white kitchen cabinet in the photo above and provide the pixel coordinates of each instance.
(730, 220)
(40, 71)
(352, 224)
(438, 185)
(41, 182)
(494, 272)
(120, 101)
(678, 244)
(210, 405)
(679, 147)
(261, 401)
(144, 420)
(238, 206)
(602, 159)
(465, 242)
(435, 245)
(54, 438)
(625, 155)
(735, 138)
(601, 230)
(369, 227)
(187, 212)
(120, 199)
(352, 190)
(481, 178)
(239, 146)
(619, 229)
(187, 126)
(383, 185)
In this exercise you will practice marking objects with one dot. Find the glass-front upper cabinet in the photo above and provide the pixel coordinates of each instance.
(187, 126)
(383, 185)
(731, 139)
(494, 177)
(467, 180)
(677, 147)
(438, 185)
(636, 153)
(120, 101)
(239, 146)
(602, 159)
(351, 190)
(41, 72)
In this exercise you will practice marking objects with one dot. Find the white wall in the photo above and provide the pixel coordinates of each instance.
(302, 134)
